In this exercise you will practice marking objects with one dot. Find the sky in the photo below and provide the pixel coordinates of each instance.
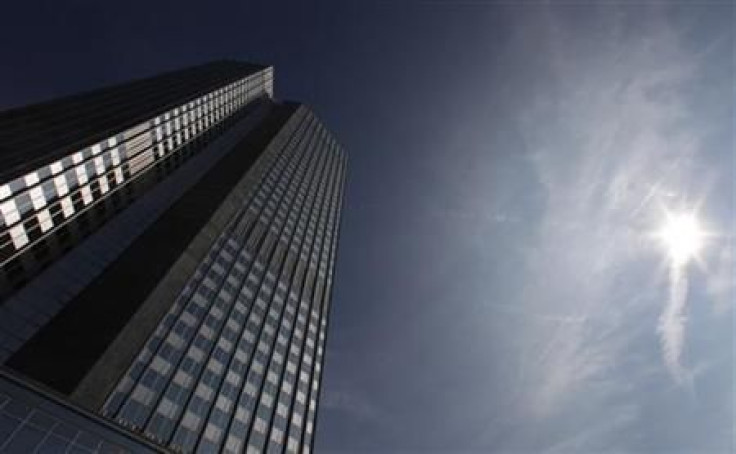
(499, 285)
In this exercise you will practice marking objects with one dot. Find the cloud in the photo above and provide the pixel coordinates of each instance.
(672, 322)
(721, 280)
(609, 136)
(579, 442)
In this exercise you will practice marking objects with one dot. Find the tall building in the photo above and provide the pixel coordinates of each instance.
(166, 265)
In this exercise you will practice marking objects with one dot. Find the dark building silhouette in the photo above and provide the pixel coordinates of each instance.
(166, 264)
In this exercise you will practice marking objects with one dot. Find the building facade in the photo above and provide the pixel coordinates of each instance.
(167, 260)
(34, 420)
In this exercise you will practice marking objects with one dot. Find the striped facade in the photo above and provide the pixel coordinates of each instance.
(174, 274)
(35, 205)
(237, 359)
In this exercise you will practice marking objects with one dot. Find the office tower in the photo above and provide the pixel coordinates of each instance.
(167, 261)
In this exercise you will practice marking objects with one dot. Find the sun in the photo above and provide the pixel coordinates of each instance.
(682, 236)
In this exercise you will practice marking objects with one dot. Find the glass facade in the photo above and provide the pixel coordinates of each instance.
(30, 308)
(235, 364)
(32, 421)
(38, 202)
(166, 273)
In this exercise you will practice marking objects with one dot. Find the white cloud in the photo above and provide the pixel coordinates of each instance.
(610, 140)
(672, 323)
(722, 280)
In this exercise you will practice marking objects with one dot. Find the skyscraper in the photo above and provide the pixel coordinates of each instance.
(167, 260)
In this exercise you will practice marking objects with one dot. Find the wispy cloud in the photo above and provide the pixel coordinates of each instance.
(609, 138)
(722, 279)
(579, 442)
(672, 322)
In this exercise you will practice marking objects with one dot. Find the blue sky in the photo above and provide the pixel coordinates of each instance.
(510, 296)
(498, 287)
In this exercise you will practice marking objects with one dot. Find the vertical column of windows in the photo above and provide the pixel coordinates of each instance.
(250, 367)
(124, 388)
(269, 386)
(202, 349)
(336, 203)
(279, 416)
(136, 414)
(316, 332)
(248, 217)
(297, 410)
(259, 203)
(117, 397)
(266, 323)
(193, 418)
(200, 313)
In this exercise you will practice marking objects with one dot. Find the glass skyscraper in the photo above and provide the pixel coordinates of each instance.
(166, 264)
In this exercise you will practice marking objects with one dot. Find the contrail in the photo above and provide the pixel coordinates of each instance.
(671, 326)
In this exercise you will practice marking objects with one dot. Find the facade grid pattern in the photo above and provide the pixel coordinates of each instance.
(27, 310)
(42, 200)
(234, 200)
(235, 364)
(32, 421)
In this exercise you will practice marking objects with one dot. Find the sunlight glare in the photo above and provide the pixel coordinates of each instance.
(682, 236)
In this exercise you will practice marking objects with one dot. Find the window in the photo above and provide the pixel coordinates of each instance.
(9, 211)
(44, 220)
(19, 237)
